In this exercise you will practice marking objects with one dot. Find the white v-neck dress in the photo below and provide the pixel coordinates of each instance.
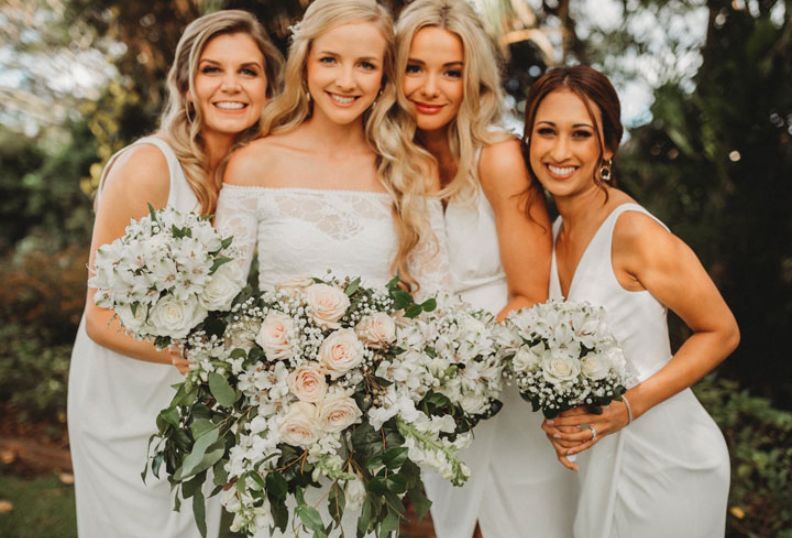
(113, 402)
(666, 474)
(517, 486)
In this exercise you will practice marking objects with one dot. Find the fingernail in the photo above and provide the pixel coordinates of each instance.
(556, 436)
(550, 421)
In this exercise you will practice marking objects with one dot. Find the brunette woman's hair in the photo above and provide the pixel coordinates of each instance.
(593, 88)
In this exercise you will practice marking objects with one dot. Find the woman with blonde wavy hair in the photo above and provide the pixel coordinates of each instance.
(499, 248)
(224, 70)
(333, 182)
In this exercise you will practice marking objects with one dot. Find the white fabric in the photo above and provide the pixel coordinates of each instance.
(305, 232)
(517, 487)
(113, 402)
(667, 473)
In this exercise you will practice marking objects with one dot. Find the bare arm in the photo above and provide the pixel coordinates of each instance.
(139, 176)
(647, 257)
(525, 241)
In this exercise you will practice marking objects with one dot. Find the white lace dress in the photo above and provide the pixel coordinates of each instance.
(113, 403)
(306, 232)
(666, 474)
(517, 487)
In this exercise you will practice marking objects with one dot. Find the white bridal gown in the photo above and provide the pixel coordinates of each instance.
(305, 232)
(666, 474)
(517, 487)
(113, 403)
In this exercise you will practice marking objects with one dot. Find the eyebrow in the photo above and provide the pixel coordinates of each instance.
(331, 53)
(574, 125)
(244, 64)
(447, 64)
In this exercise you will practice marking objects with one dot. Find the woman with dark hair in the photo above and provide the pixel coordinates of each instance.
(654, 464)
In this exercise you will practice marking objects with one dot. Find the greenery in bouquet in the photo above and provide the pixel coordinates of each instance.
(163, 276)
(319, 398)
(566, 357)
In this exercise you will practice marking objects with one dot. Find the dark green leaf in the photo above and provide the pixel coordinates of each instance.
(419, 501)
(276, 485)
(195, 458)
(310, 518)
(395, 457)
(169, 416)
(337, 502)
(192, 485)
(199, 510)
(220, 473)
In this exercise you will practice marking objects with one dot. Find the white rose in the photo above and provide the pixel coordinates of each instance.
(326, 304)
(307, 382)
(132, 322)
(275, 336)
(560, 368)
(377, 330)
(615, 357)
(594, 366)
(174, 318)
(526, 358)
(355, 494)
(300, 426)
(340, 352)
(223, 286)
(473, 404)
(337, 411)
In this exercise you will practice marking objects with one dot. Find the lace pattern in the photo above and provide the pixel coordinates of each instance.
(304, 232)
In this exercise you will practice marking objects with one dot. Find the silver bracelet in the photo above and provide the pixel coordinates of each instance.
(629, 409)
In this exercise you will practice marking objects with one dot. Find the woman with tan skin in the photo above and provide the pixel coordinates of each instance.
(225, 68)
(655, 464)
(499, 253)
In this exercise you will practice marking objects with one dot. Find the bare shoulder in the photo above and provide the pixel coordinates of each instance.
(502, 170)
(141, 168)
(248, 165)
(639, 239)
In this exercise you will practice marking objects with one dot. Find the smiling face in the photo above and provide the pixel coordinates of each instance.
(433, 80)
(230, 84)
(344, 71)
(564, 150)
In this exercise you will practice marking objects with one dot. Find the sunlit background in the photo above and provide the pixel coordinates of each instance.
(706, 88)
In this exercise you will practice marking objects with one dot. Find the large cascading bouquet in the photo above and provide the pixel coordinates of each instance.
(325, 396)
(565, 356)
(165, 274)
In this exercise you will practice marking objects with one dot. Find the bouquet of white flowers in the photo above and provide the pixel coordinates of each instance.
(320, 383)
(568, 357)
(165, 274)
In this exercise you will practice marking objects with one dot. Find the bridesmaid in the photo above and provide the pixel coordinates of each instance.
(224, 70)
(655, 464)
(499, 251)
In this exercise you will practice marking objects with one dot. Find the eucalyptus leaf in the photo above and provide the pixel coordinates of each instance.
(196, 457)
(199, 511)
(222, 390)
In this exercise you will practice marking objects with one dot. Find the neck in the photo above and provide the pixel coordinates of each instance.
(581, 207)
(217, 146)
(436, 143)
(332, 137)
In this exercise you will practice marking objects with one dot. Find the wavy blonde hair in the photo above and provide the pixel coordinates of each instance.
(181, 122)
(482, 103)
(401, 165)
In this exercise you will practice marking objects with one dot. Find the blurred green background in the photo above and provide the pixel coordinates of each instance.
(707, 93)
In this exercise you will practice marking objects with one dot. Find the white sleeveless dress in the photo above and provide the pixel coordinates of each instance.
(306, 232)
(517, 487)
(113, 402)
(666, 474)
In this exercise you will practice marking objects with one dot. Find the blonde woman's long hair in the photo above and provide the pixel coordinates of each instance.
(475, 126)
(401, 166)
(182, 122)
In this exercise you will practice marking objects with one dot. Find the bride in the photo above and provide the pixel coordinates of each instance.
(331, 184)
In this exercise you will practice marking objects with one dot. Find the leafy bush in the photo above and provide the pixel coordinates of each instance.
(760, 446)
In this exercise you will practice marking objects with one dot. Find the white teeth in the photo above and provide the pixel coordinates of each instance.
(342, 100)
(561, 171)
(230, 105)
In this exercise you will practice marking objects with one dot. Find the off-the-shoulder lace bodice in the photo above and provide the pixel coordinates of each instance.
(305, 232)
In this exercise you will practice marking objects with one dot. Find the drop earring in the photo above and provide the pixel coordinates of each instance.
(606, 170)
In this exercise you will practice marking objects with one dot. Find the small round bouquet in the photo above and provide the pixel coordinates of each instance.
(318, 398)
(164, 275)
(566, 357)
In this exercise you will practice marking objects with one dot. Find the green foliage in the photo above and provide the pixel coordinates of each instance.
(42, 507)
(760, 448)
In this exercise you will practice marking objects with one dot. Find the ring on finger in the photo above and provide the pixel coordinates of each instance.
(593, 433)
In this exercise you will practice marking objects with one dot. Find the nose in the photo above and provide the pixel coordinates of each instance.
(230, 82)
(560, 149)
(429, 89)
(346, 79)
